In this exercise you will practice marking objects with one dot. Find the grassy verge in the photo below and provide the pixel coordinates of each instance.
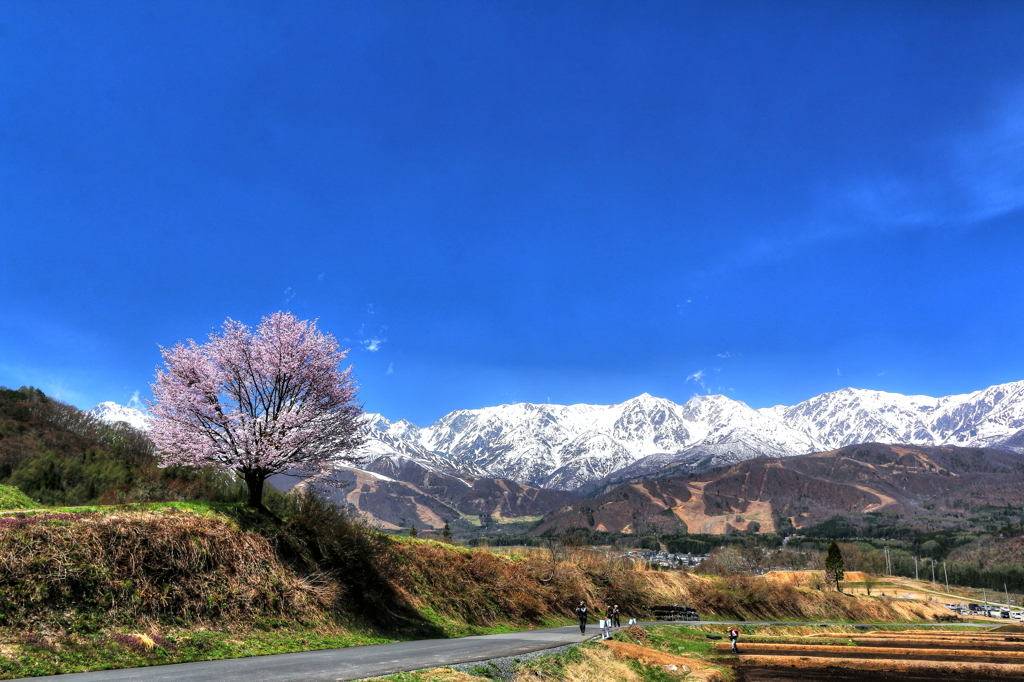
(29, 655)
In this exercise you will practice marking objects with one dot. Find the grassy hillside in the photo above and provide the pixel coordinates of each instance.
(57, 454)
(12, 498)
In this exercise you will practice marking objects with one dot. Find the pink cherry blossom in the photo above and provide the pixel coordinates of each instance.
(257, 402)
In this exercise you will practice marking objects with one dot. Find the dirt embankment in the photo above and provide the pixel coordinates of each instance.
(62, 571)
(65, 569)
(482, 586)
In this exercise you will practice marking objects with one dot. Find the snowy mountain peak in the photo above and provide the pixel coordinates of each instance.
(111, 412)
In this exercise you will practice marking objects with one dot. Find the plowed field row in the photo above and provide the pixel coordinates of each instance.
(908, 657)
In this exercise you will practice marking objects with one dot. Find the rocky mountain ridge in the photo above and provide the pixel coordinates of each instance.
(571, 447)
(925, 487)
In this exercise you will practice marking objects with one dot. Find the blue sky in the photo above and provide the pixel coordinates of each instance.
(494, 202)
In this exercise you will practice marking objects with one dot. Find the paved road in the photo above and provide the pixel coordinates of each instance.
(360, 662)
(350, 663)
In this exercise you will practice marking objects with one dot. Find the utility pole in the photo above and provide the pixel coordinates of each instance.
(1007, 596)
(947, 576)
(933, 575)
(916, 577)
(985, 595)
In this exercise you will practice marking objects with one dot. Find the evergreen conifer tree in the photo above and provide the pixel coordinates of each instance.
(412, 531)
(446, 534)
(834, 566)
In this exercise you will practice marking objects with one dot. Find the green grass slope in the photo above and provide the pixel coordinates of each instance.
(12, 498)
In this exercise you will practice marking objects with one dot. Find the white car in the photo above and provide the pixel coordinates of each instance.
(1017, 615)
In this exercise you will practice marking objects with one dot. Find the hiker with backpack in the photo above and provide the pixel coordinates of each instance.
(734, 635)
(581, 614)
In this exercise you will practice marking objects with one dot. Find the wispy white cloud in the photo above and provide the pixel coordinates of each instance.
(372, 344)
(698, 378)
(838, 373)
(977, 175)
(972, 175)
(391, 369)
(725, 355)
(136, 403)
(289, 294)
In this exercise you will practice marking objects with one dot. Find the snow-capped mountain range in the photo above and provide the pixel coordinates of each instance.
(568, 446)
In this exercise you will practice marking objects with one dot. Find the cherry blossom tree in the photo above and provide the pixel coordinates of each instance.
(258, 402)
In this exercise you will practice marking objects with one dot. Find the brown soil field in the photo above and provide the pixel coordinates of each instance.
(885, 656)
(760, 668)
(979, 643)
(807, 577)
(895, 653)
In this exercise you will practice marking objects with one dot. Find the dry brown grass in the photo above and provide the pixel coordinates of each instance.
(598, 664)
(483, 588)
(755, 598)
(139, 567)
(654, 657)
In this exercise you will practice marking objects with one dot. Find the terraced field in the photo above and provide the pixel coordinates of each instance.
(913, 655)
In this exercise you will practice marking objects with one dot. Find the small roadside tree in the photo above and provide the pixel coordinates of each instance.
(834, 566)
(446, 534)
(258, 402)
(869, 583)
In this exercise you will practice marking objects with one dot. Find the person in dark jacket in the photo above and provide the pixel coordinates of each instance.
(734, 635)
(615, 616)
(581, 614)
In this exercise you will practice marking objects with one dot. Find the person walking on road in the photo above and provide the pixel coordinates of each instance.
(581, 614)
(734, 635)
(615, 616)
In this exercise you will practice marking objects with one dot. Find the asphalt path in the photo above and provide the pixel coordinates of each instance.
(376, 660)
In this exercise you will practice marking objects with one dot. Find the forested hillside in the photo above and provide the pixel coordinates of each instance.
(59, 455)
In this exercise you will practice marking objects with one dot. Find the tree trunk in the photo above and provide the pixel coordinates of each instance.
(254, 483)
